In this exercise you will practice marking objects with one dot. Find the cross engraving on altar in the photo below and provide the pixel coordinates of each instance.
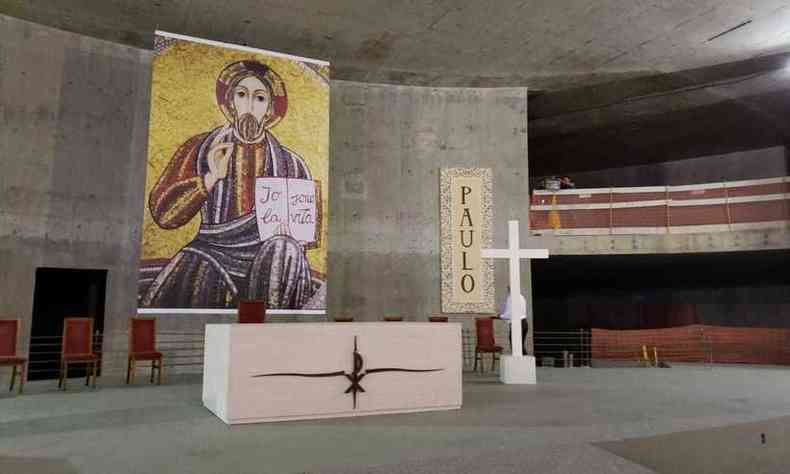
(514, 255)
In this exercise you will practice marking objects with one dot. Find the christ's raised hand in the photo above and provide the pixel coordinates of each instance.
(218, 159)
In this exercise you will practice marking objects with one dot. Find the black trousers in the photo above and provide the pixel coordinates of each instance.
(524, 329)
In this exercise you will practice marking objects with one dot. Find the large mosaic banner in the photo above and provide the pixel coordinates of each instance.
(467, 278)
(237, 180)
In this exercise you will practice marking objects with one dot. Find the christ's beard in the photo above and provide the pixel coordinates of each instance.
(249, 128)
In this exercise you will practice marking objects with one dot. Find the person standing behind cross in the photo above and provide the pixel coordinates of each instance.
(506, 314)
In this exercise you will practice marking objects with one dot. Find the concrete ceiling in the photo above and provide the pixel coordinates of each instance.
(543, 44)
(665, 117)
(614, 82)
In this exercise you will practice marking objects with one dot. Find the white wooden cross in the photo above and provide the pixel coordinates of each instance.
(514, 255)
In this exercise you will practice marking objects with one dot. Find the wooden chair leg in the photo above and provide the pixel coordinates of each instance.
(128, 369)
(65, 374)
(95, 372)
(493, 361)
(88, 375)
(153, 366)
(159, 376)
(134, 366)
(22, 377)
(475, 368)
(13, 378)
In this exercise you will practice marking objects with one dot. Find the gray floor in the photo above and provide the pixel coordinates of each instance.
(574, 421)
(755, 447)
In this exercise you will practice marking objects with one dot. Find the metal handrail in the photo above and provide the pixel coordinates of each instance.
(186, 349)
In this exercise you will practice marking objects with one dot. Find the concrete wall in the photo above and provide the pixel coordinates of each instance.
(73, 141)
(73, 132)
(705, 242)
(388, 144)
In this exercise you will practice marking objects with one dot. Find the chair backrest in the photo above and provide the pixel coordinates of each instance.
(438, 319)
(252, 311)
(142, 335)
(485, 332)
(9, 335)
(393, 318)
(77, 336)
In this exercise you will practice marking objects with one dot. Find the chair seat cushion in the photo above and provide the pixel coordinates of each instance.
(12, 360)
(79, 357)
(145, 355)
(488, 349)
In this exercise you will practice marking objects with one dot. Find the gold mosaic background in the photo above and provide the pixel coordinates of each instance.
(183, 105)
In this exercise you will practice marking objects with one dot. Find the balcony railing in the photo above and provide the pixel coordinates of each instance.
(710, 207)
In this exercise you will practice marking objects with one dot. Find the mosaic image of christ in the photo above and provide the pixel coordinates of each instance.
(214, 174)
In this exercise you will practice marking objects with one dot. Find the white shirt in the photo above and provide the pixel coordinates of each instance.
(506, 308)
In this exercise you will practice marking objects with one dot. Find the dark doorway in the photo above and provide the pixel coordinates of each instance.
(573, 294)
(744, 289)
(62, 293)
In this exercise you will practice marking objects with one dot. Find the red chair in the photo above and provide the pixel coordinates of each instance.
(438, 319)
(9, 338)
(252, 311)
(77, 348)
(486, 344)
(142, 346)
